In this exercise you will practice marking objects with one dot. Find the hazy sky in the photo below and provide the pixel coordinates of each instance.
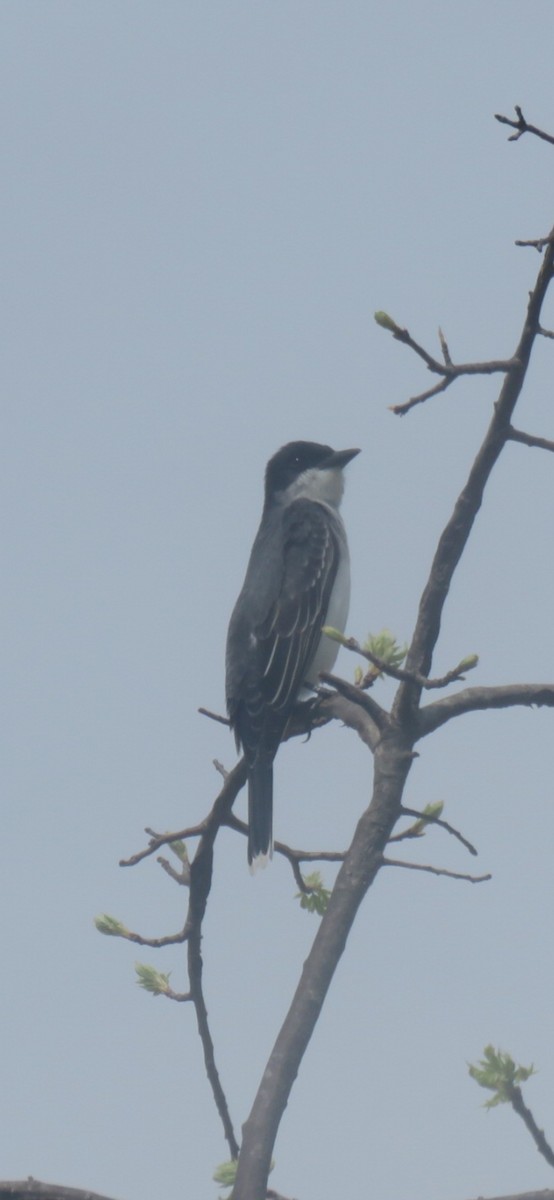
(203, 203)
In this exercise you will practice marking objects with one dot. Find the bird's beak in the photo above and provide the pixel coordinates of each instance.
(339, 458)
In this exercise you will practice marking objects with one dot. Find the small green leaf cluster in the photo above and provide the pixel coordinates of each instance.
(498, 1073)
(179, 848)
(386, 322)
(317, 898)
(151, 980)
(385, 646)
(468, 663)
(334, 634)
(429, 812)
(226, 1173)
(110, 926)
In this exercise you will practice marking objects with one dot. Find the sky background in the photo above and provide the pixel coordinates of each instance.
(203, 203)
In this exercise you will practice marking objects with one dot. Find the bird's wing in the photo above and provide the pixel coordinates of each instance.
(289, 635)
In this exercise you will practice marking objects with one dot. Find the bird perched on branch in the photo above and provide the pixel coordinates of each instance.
(297, 580)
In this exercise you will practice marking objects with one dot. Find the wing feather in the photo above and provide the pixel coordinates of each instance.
(289, 636)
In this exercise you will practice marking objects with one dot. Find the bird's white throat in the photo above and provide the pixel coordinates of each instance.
(324, 486)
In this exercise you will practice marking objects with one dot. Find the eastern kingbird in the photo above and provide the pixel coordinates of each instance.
(297, 580)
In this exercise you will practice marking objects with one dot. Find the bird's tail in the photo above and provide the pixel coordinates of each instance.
(260, 812)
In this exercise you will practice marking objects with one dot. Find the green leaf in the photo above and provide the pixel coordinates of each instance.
(334, 634)
(226, 1173)
(180, 850)
(110, 926)
(151, 980)
(431, 810)
(498, 1073)
(386, 322)
(317, 899)
(385, 646)
(469, 663)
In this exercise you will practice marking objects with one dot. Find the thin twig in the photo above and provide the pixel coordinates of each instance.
(288, 852)
(521, 126)
(518, 1105)
(199, 890)
(180, 997)
(379, 715)
(448, 368)
(157, 840)
(206, 712)
(444, 347)
(535, 243)
(182, 877)
(400, 410)
(431, 820)
(529, 439)
(410, 866)
(171, 939)
(454, 537)
(400, 673)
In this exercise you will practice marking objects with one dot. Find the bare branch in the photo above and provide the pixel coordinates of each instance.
(200, 884)
(529, 439)
(288, 852)
(33, 1189)
(448, 369)
(518, 1105)
(181, 877)
(206, 712)
(157, 840)
(455, 535)
(477, 699)
(431, 820)
(545, 1194)
(172, 939)
(535, 244)
(444, 348)
(180, 997)
(355, 708)
(410, 866)
(521, 126)
(400, 410)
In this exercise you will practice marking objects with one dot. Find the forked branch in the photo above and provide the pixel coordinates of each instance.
(522, 126)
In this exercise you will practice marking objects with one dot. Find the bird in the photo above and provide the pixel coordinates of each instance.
(297, 581)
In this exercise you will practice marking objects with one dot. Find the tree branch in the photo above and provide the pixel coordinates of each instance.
(429, 819)
(412, 866)
(519, 1106)
(521, 126)
(33, 1189)
(393, 759)
(400, 673)
(477, 699)
(200, 881)
(455, 535)
(355, 708)
(528, 439)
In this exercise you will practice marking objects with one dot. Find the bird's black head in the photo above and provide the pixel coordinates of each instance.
(294, 459)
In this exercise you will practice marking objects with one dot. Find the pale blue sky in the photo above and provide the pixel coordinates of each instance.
(203, 205)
